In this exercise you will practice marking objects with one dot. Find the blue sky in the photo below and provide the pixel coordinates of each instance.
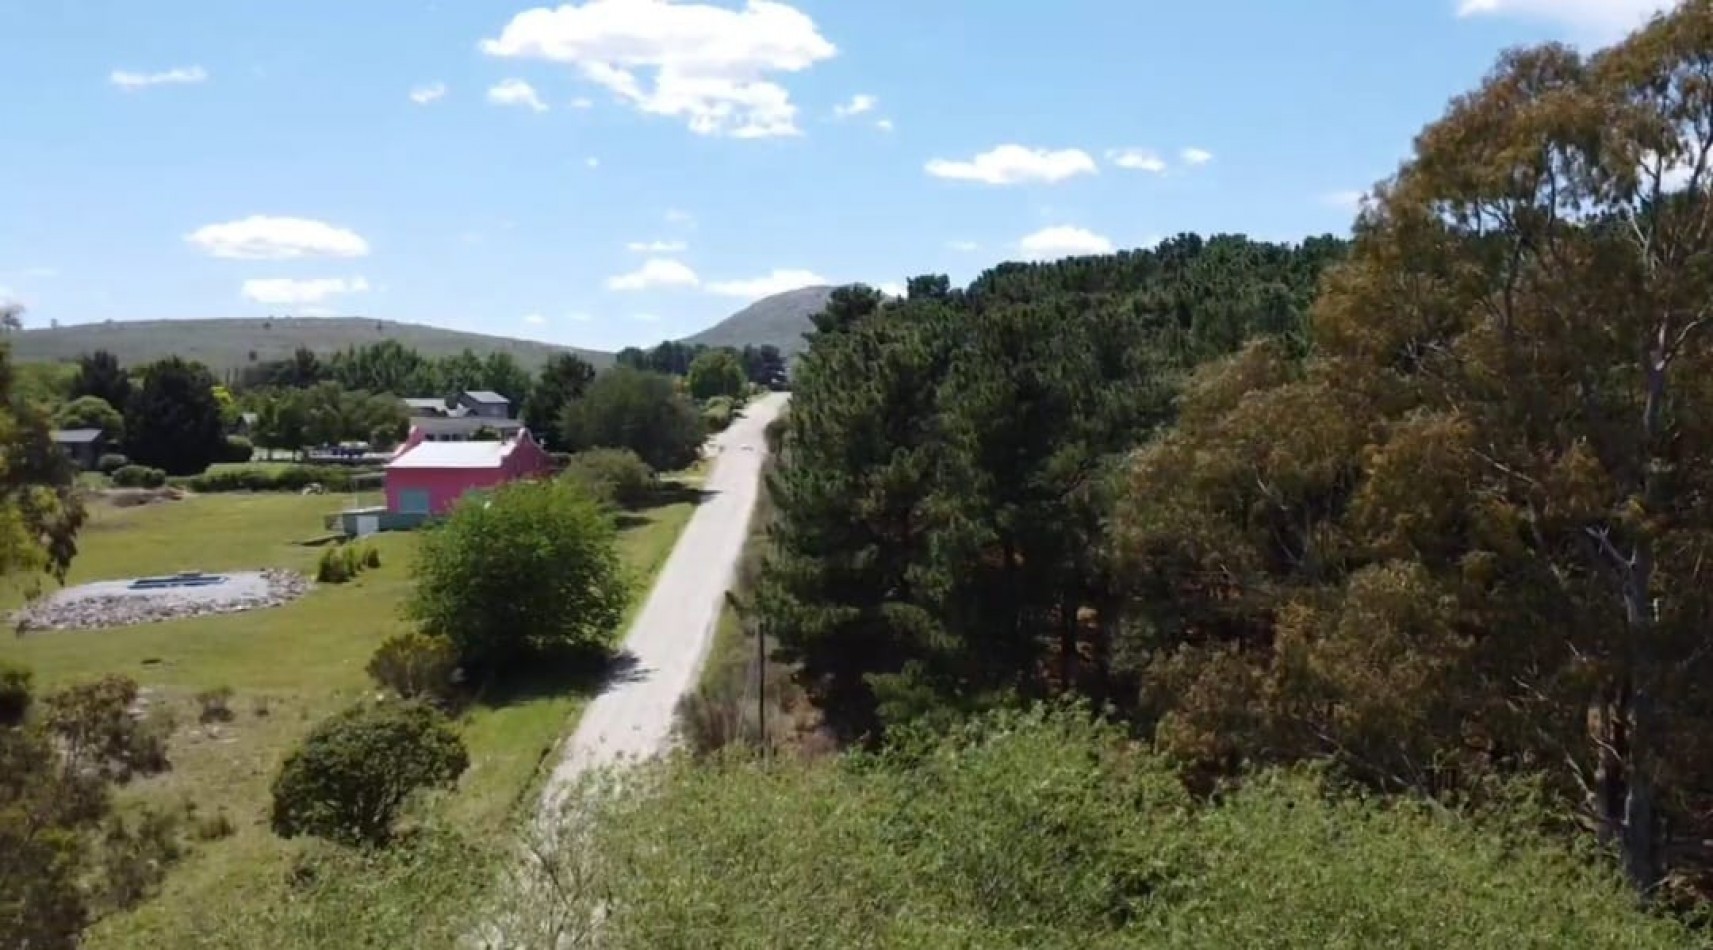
(617, 172)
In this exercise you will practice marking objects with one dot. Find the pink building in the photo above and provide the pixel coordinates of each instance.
(426, 478)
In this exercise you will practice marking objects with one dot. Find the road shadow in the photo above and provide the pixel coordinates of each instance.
(663, 497)
(563, 672)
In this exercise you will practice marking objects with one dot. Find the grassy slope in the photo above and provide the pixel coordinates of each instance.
(227, 343)
(288, 667)
(781, 320)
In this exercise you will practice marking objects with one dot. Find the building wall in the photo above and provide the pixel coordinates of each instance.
(443, 485)
(446, 485)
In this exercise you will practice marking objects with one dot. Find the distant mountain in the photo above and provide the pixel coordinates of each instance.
(781, 320)
(231, 344)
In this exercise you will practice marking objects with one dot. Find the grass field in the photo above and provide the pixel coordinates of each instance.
(288, 667)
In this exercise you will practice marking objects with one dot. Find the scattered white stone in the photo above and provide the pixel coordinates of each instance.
(115, 604)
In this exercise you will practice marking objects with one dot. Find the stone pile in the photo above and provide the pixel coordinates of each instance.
(67, 610)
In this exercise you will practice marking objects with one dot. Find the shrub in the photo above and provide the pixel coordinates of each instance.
(718, 413)
(136, 855)
(14, 693)
(535, 565)
(630, 409)
(238, 449)
(262, 479)
(333, 567)
(614, 476)
(354, 772)
(111, 462)
(213, 827)
(415, 665)
(371, 557)
(138, 476)
(1046, 829)
(214, 705)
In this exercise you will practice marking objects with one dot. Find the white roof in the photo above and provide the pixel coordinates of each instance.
(453, 455)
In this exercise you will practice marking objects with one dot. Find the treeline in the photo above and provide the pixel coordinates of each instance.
(176, 416)
(1441, 524)
(762, 365)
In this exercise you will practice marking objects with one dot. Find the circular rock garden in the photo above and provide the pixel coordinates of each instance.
(150, 600)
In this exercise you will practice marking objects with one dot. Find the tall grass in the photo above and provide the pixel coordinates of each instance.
(1048, 830)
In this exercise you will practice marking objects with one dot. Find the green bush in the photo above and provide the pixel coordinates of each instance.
(332, 567)
(354, 772)
(269, 478)
(138, 476)
(533, 566)
(1046, 829)
(111, 462)
(415, 666)
(238, 449)
(214, 705)
(15, 683)
(614, 476)
(343, 562)
(718, 413)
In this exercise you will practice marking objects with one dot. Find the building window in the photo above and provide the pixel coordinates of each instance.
(413, 501)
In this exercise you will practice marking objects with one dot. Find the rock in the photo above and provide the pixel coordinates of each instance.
(97, 612)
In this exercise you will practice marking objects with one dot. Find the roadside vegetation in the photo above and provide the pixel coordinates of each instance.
(1390, 551)
(278, 673)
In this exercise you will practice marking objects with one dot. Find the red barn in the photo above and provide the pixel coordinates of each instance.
(426, 478)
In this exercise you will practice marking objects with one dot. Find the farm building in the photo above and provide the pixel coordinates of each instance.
(426, 477)
(84, 446)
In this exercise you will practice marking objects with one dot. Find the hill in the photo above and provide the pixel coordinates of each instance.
(231, 343)
(781, 320)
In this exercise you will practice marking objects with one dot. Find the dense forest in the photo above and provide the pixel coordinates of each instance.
(1429, 508)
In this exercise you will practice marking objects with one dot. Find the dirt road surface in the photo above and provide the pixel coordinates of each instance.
(669, 639)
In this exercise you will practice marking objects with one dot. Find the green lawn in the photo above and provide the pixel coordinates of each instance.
(288, 667)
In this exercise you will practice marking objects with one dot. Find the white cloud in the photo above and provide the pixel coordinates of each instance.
(1063, 241)
(284, 290)
(579, 316)
(964, 246)
(891, 288)
(515, 92)
(675, 216)
(709, 64)
(1349, 200)
(582, 102)
(182, 75)
(1136, 159)
(656, 247)
(1196, 156)
(534, 319)
(1016, 165)
(860, 103)
(776, 282)
(265, 238)
(423, 95)
(884, 125)
(645, 318)
(655, 272)
(1603, 18)
(592, 162)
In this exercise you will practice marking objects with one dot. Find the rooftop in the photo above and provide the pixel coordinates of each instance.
(76, 435)
(453, 455)
(484, 396)
(463, 425)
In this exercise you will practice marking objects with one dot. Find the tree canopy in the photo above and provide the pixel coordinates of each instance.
(173, 421)
(626, 408)
(532, 567)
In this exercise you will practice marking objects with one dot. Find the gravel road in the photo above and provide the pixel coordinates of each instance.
(669, 639)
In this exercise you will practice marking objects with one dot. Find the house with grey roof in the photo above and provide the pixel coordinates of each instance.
(488, 405)
(84, 446)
